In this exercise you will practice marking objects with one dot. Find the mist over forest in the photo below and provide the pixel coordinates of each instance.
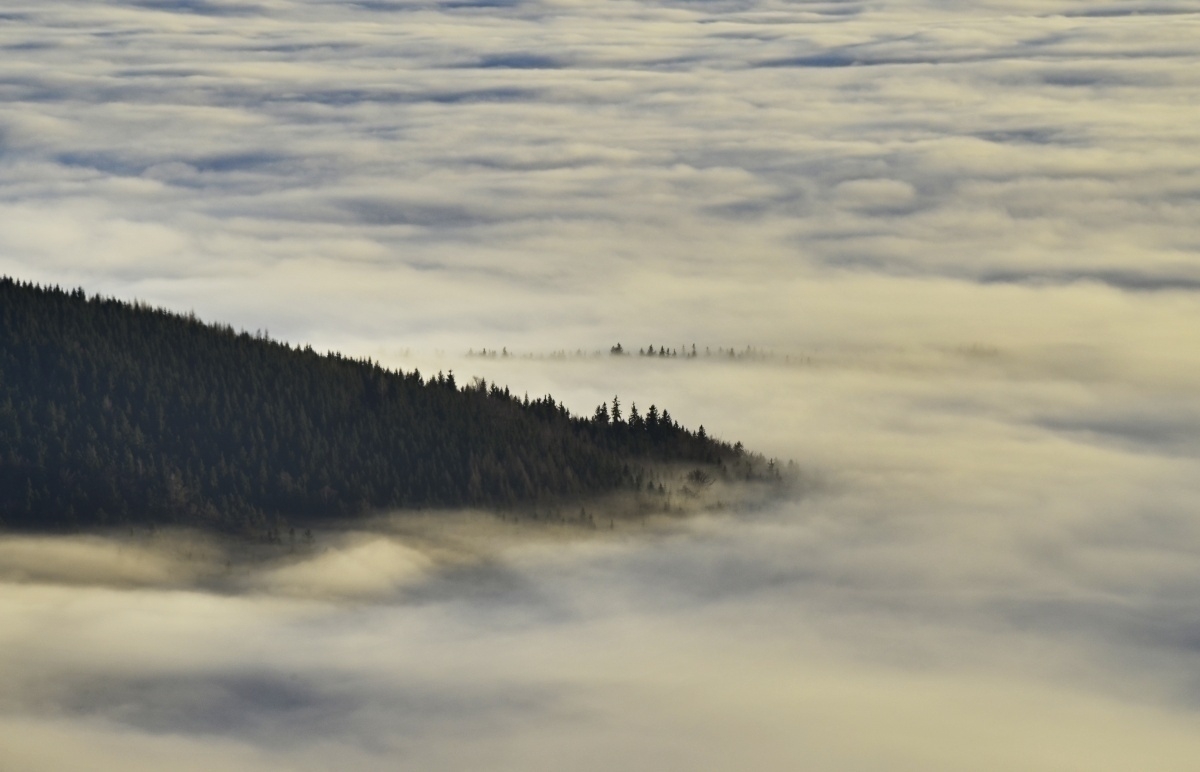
(963, 587)
(117, 414)
(962, 236)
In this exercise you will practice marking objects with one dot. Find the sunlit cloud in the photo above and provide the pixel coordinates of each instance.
(194, 154)
(962, 237)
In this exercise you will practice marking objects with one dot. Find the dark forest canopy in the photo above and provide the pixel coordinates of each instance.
(120, 413)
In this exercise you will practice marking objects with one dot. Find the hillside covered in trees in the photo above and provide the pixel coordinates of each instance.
(115, 413)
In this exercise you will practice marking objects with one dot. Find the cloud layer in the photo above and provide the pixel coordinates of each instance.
(556, 174)
(967, 234)
(995, 570)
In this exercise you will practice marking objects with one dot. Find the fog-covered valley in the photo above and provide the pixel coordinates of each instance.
(984, 571)
(965, 232)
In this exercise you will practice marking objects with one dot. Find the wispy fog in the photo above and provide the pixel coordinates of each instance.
(966, 233)
(992, 567)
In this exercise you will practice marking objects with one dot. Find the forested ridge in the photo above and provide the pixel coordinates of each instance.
(120, 413)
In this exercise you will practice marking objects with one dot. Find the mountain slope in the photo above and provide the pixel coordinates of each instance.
(112, 412)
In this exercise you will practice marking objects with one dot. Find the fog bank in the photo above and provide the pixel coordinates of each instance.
(966, 234)
(994, 573)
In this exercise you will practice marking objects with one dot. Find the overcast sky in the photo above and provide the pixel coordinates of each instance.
(967, 232)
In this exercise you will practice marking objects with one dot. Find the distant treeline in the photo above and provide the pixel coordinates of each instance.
(661, 351)
(120, 413)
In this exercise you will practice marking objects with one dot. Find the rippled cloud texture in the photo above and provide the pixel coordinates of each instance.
(557, 173)
(968, 231)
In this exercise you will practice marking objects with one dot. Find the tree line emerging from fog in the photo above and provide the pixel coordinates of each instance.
(116, 413)
(660, 351)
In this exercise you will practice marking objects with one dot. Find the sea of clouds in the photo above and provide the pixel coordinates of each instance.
(966, 233)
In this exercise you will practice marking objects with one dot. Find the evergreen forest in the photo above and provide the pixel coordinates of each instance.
(119, 413)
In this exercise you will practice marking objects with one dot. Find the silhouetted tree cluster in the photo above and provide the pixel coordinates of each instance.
(115, 413)
(691, 352)
(656, 436)
(663, 351)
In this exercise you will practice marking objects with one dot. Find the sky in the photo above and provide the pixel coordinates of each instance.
(961, 236)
